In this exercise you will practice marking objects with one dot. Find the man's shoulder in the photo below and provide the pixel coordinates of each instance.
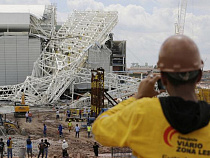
(145, 106)
(147, 102)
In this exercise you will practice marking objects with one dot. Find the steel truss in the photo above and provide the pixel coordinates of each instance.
(46, 25)
(60, 64)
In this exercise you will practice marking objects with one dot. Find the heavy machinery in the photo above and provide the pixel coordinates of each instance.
(7, 126)
(21, 108)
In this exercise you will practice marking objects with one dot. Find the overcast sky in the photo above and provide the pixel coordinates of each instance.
(144, 24)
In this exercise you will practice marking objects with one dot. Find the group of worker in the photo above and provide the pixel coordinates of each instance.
(9, 147)
(70, 126)
(28, 116)
(42, 146)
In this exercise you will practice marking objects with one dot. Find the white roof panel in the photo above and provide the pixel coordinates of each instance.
(15, 21)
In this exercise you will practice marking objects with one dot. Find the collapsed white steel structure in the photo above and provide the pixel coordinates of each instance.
(61, 63)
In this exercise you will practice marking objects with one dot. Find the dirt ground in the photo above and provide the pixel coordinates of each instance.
(78, 147)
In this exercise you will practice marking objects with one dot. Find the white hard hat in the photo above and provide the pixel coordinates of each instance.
(64, 141)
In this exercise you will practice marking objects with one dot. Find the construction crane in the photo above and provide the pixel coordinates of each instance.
(179, 25)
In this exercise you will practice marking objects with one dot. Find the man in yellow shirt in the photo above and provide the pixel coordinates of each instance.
(69, 125)
(176, 126)
(88, 130)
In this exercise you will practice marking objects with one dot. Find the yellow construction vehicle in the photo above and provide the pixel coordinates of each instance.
(11, 128)
(21, 108)
(8, 127)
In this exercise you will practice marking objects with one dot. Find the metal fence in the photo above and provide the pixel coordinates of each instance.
(124, 152)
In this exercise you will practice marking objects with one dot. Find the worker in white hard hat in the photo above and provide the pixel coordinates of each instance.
(64, 148)
(162, 127)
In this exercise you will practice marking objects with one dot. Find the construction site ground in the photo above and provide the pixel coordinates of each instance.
(78, 147)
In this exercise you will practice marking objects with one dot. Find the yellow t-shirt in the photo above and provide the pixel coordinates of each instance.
(69, 124)
(88, 128)
(141, 125)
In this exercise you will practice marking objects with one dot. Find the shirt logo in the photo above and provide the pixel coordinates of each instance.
(168, 134)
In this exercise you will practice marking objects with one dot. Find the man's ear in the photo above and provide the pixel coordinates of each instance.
(199, 75)
(163, 79)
